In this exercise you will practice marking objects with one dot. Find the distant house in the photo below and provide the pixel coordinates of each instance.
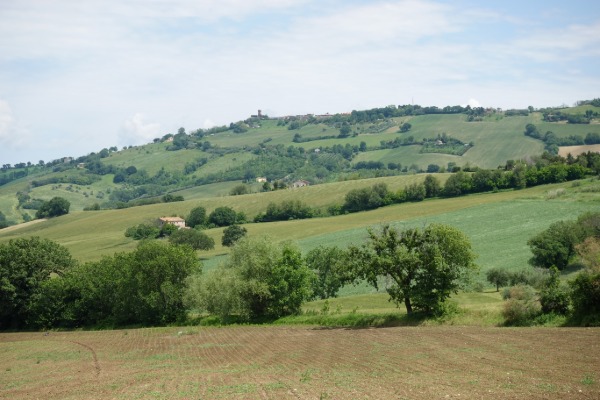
(261, 179)
(178, 222)
(81, 165)
(300, 183)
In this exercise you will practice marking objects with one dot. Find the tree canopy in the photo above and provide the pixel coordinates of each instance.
(25, 264)
(425, 265)
(53, 208)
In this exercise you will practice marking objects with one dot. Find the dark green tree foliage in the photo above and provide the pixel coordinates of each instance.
(166, 230)
(556, 245)
(143, 231)
(223, 216)
(405, 127)
(284, 211)
(143, 287)
(458, 184)
(53, 208)
(197, 217)
(330, 268)
(585, 297)
(367, 198)
(260, 280)
(194, 238)
(3, 221)
(232, 234)
(497, 276)
(415, 192)
(553, 297)
(433, 188)
(425, 265)
(25, 264)
(239, 190)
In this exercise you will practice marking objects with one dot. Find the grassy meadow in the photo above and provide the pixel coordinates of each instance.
(498, 224)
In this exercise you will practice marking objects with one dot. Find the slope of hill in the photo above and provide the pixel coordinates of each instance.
(286, 149)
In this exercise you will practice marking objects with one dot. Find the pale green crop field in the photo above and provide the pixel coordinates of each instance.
(499, 224)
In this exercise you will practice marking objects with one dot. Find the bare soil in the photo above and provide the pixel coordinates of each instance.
(564, 151)
(254, 362)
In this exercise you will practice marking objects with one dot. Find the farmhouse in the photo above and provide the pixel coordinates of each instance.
(178, 222)
(300, 183)
(261, 179)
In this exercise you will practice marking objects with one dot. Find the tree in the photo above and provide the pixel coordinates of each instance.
(330, 269)
(344, 130)
(239, 190)
(553, 297)
(222, 216)
(585, 297)
(232, 234)
(144, 287)
(425, 265)
(143, 231)
(498, 277)
(556, 245)
(3, 222)
(415, 192)
(197, 217)
(405, 127)
(458, 184)
(194, 238)
(53, 208)
(260, 280)
(24, 265)
(432, 186)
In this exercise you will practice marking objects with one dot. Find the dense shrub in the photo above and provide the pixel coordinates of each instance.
(232, 234)
(143, 231)
(194, 238)
(54, 207)
(521, 306)
(585, 298)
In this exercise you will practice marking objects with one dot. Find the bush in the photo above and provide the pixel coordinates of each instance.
(143, 231)
(260, 280)
(223, 216)
(53, 208)
(553, 297)
(585, 297)
(194, 238)
(232, 234)
(521, 306)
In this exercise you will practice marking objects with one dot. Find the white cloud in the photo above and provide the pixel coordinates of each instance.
(12, 134)
(474, 103)
(136, 131)
(208, 123)
(78, 72)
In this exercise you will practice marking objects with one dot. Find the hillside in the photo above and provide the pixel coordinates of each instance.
(388, 141)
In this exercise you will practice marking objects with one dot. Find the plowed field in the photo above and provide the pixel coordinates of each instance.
(303, 363)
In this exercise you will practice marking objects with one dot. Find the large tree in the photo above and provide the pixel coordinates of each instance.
(25, 264)
(260, 279)
(425, 265)
(197, 217)
(556, 245)
(53, 208)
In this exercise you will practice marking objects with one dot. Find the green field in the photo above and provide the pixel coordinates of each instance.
(495, 140)
(498, 224)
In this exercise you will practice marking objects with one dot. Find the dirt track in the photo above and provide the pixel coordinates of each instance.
(303, 363)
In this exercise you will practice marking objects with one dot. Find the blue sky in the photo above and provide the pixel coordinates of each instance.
(79, 76)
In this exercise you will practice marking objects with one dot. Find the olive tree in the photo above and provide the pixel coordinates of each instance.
(425, 265)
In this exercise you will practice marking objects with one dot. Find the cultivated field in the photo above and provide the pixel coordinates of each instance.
(253, 362)
(577, 150)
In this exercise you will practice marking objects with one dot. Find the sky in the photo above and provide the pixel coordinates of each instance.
(77, 76)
